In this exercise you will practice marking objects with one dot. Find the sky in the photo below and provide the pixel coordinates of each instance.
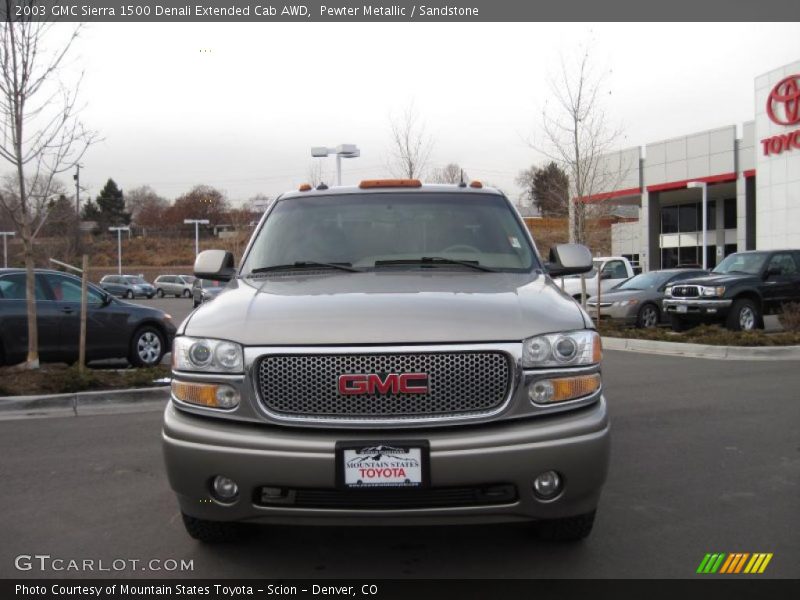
(239, 106)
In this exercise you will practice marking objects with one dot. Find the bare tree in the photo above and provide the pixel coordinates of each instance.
(577, 136)
(41, 134)
(450, 173)
(411, 146)
(316, 174)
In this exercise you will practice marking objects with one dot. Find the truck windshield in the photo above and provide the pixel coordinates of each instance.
(370, 231)
(751, 263)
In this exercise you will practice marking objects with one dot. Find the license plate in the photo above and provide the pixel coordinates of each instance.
(681, 308)
(382, 464)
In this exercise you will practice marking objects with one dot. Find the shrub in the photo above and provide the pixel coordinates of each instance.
(789, 317)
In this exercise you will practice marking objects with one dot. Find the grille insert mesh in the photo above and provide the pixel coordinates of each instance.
(459, 383)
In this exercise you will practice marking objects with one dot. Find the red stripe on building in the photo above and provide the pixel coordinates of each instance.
(611, 195)
(749, 173)
(677, 185)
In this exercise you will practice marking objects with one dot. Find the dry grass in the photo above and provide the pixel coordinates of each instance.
(713, 335)
(61, 379)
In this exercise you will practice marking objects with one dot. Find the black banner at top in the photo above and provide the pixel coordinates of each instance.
(377, 11)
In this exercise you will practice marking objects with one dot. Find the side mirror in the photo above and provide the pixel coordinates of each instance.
(214, 264)
(569, 259)
(606, 275)
(106, 299)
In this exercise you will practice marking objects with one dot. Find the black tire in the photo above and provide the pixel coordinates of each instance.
(744, 316)
(213, 532)
(150, 296)
(648, 316)
(147, 347)
(186, 293)
(129, 294)
(160, 293)
(679, 323)
(569, 529)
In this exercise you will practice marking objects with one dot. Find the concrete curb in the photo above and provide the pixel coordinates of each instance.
(80, 402)
(703, 350)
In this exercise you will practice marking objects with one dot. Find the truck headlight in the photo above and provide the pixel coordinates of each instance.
(571, 349)
(712, 291)
(200, 354)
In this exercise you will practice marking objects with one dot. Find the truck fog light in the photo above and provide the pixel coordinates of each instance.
(541, 392)
(547, 485)
(224, 489)
(212, 395)
(562, 389)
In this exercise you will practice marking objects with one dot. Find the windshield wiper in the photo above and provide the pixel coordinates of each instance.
(435, 260)
(306, 264)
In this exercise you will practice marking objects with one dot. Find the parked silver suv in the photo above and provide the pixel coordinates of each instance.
(175, 285)
(392, 353)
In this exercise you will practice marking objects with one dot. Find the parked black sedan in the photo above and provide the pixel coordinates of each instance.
(114, 328)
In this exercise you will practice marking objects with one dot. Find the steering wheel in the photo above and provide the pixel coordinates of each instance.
(461, 248)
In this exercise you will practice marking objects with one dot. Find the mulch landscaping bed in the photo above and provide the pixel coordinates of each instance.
(63, 379)
(713, 335)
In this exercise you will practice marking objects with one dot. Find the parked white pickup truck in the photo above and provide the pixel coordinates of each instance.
(612, 269)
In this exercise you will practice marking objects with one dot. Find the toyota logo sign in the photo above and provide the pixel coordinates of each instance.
(783, 103)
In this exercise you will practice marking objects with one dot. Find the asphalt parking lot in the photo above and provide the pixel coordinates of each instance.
(705, 458)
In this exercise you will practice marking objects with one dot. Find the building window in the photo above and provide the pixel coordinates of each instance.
(711, 209)
(730, 249)
(669, 258)
(687, 256)
(669, 219)
(687, 218)
(730, 213)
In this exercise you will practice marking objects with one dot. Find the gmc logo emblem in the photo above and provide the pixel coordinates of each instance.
(372, 383)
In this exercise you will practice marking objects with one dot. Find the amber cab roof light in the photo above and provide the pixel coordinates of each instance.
(305, 187)
(389, 183)
(475, 184)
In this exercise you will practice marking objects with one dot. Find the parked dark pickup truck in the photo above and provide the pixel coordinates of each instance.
(743, 288)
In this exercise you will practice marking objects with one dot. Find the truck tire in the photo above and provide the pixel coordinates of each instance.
(569, 529)
(744, 316)
(212, 532)
(648, 316)
(679, 323)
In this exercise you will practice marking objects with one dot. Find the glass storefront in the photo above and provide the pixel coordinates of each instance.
(688, 219)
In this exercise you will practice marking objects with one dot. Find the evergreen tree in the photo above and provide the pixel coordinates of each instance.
(111, 204)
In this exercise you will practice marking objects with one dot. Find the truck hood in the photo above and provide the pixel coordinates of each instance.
(719, 279)
(385, 308)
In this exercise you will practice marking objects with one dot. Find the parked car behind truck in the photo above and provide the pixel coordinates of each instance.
(611, 270)
(391, 353)
(738, 292)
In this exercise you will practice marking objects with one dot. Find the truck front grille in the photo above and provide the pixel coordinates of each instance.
(685, 291)
(305, 386)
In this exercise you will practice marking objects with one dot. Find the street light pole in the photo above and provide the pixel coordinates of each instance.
(341, 151)
(5, 235)
(197, 223)
(704, 208)
(119, 231)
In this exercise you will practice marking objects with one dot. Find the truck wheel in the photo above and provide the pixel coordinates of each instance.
(160, 293)
(679, 323)
(570, 529)
(647, 317)
(186, 293)
(212, 532)
(744, 316)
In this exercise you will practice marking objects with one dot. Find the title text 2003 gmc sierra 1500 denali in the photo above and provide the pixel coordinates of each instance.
(391, 353)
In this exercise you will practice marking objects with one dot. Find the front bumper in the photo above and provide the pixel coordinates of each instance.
(697, 307)
(575, 444)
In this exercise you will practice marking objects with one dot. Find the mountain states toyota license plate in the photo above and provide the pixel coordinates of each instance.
(382, 464)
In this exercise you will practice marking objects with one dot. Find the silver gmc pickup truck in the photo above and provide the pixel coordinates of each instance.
(388, 353)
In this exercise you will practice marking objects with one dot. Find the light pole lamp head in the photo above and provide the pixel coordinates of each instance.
(319, 151)
(348, 151)
(696, 185)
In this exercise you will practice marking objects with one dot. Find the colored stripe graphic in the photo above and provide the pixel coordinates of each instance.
(734, 563)
(714, 563)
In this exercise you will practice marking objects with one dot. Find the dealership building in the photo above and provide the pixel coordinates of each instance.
(749, 175)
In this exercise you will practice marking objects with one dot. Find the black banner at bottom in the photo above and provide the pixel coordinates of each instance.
(410, 589)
